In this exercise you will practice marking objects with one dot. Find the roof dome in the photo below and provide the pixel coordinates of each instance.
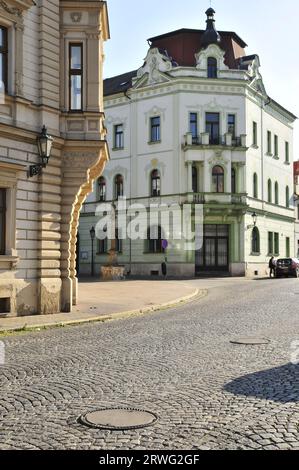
(211, 35)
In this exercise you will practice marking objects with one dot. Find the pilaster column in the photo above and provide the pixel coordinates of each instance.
(19, 30)
(189, 177)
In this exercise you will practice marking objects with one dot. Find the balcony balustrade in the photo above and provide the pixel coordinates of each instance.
(220, 198)
(226, 140)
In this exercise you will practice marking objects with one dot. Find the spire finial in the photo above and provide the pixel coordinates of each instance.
(211, 36)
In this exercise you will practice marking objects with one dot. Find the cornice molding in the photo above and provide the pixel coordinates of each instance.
(16, 7)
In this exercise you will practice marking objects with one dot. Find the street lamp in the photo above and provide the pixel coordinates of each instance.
(254, 218)
(44, 145)
(92, 236)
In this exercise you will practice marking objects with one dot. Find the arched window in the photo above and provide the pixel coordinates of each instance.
(276, 190)
(269, 190)
(212, 67)
(155, 183)
(118, 186)
(194, 179)
(154, 239)
(234, 182)
(255, 186)
(102, 189)
(255, 240)
(218, 179)
(287, 197)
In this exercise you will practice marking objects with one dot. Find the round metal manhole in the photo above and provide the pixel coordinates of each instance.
(251, 340)
(118, 419)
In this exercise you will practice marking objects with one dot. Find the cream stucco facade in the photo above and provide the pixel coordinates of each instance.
(172, 92)
(37, 261)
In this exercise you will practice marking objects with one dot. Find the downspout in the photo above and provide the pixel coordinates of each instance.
(130, 198)
(263, 105)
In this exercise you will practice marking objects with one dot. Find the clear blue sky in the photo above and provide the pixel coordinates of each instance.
(269, 27)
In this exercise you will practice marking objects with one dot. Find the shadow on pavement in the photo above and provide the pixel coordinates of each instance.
(280, 384)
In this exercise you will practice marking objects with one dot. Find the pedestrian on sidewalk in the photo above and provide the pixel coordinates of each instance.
(272, 267)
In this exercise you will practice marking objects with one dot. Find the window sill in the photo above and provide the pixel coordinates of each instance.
(13, 260)
(276, 157)
(269, 154)
(255, 254)
(287, 163)
(115, 149)
(254, 146)
(153, 142)
(75, 111)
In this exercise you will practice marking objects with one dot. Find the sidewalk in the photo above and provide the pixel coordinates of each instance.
(102, 301)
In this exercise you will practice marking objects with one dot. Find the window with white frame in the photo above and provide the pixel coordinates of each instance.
(3, 59)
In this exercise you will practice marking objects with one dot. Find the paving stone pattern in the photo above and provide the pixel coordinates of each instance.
(179, 364)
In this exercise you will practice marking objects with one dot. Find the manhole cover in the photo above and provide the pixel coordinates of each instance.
(119, 419)
(251, 340)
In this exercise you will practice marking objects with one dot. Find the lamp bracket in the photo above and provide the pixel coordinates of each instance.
(35, 170)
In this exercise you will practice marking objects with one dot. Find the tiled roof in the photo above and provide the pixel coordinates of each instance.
(119, 83)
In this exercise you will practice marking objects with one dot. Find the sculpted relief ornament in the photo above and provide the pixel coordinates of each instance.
(211, 51)
(155, 63)
(256, 77)
(12, 10)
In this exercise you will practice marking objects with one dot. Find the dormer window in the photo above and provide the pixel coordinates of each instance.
(3, 59)
(212, 67)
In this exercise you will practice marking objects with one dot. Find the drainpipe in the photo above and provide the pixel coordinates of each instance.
(263, 105)
(131, 146)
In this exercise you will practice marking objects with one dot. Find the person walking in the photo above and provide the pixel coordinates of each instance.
(272, 266)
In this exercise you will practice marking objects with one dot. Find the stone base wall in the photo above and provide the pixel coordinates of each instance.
(257, 270)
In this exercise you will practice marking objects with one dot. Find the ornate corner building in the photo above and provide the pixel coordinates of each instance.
(195, 125)
(51, 57)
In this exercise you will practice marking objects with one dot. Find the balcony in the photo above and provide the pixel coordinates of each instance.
(220, 198)
(205, 140)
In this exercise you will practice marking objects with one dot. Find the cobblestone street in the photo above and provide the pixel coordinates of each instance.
(207, 392)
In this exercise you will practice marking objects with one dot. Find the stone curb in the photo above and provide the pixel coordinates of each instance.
(196, 295)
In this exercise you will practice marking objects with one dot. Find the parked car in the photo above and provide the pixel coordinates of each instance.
(287, 267)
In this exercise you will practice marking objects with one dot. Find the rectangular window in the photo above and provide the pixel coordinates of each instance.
(287, 152)
(269, 143)
(213, 127)
(102, 246)
(276, 244)
(2, 220)
(288, 247)
(193, 125)
(118, 241)
(3, 59)
(275, 146)
(76, 76)
(118, 136)
(155, 129)
(270, 243)
(254, 133)
(231, 125)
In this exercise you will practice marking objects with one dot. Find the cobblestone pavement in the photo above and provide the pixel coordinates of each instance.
(180, 364)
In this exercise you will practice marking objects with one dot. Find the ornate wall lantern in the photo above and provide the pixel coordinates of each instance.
(44, 144)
